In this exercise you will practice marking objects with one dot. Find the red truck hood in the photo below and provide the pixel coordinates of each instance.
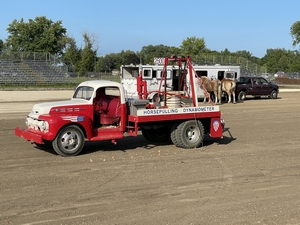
(44, 108)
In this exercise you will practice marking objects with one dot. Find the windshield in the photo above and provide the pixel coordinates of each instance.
(84, 92)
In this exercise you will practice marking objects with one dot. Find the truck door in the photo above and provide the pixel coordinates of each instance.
(256, 87)
(266, 88)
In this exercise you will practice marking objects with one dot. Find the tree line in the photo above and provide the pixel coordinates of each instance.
(44, 35)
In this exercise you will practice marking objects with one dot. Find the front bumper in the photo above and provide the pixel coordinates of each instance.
(29, 136)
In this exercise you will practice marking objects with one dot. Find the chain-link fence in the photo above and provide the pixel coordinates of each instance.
(247, 66)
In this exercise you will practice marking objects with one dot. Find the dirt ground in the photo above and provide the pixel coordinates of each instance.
(251, 176)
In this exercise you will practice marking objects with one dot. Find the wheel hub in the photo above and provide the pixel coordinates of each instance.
(191, 133)
(69, 141)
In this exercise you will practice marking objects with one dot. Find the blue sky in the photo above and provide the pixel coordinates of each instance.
(254, 26)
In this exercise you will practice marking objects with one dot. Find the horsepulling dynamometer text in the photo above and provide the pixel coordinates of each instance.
(169, 111)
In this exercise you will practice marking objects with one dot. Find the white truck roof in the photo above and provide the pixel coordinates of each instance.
(100, 83)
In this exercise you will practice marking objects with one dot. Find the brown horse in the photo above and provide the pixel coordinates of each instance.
(228, 86)
(210, 86)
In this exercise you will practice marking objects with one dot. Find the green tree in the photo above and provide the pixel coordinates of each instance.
(295, 33)
(128, 57)
(99, 64)
(243, 53)
(295, 62)
(192, 46)
(148, 53)
(72, 55)
(88, 54)
(1, 45)
(277, 60)
(111, 61)
(38, 35)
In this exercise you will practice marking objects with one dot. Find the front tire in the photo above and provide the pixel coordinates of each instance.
(274, 94)
(69, 141)
(189, 134)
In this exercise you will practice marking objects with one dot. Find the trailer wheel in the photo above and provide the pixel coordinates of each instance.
(157, 135)
(69, 141)
(189, 134)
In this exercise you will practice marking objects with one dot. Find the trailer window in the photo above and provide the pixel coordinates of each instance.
(129, 72)
(154, 74)
(221, 75)
(147, 73)
(201, 73)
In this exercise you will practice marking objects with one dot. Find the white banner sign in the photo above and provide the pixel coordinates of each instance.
(169, 111)
(159, 61)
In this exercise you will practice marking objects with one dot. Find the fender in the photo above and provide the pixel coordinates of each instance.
(56, 122)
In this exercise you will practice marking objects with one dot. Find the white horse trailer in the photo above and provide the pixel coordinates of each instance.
(152, 75)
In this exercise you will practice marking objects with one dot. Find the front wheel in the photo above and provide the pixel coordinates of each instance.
(69, 141)
(188, 134)
(274, 94)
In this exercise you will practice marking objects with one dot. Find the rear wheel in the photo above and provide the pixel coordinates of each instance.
(242, 96)
(69, 141)
(173, 134)
(157, 135)
(188, 134)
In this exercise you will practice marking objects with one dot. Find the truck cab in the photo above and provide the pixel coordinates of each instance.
(95, 107)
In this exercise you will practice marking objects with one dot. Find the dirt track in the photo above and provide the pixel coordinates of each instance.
(252, 176)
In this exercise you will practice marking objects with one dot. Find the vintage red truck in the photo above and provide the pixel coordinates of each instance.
(100, 110)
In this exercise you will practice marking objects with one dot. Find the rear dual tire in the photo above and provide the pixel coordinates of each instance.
(188, 134)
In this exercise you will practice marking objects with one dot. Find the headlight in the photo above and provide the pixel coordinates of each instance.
(29, 122)
(43, 125)
(37, 124)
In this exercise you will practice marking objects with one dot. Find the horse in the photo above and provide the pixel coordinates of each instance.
(210, 86)
(228, 86)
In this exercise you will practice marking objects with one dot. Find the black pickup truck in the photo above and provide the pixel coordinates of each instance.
(255, 86)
